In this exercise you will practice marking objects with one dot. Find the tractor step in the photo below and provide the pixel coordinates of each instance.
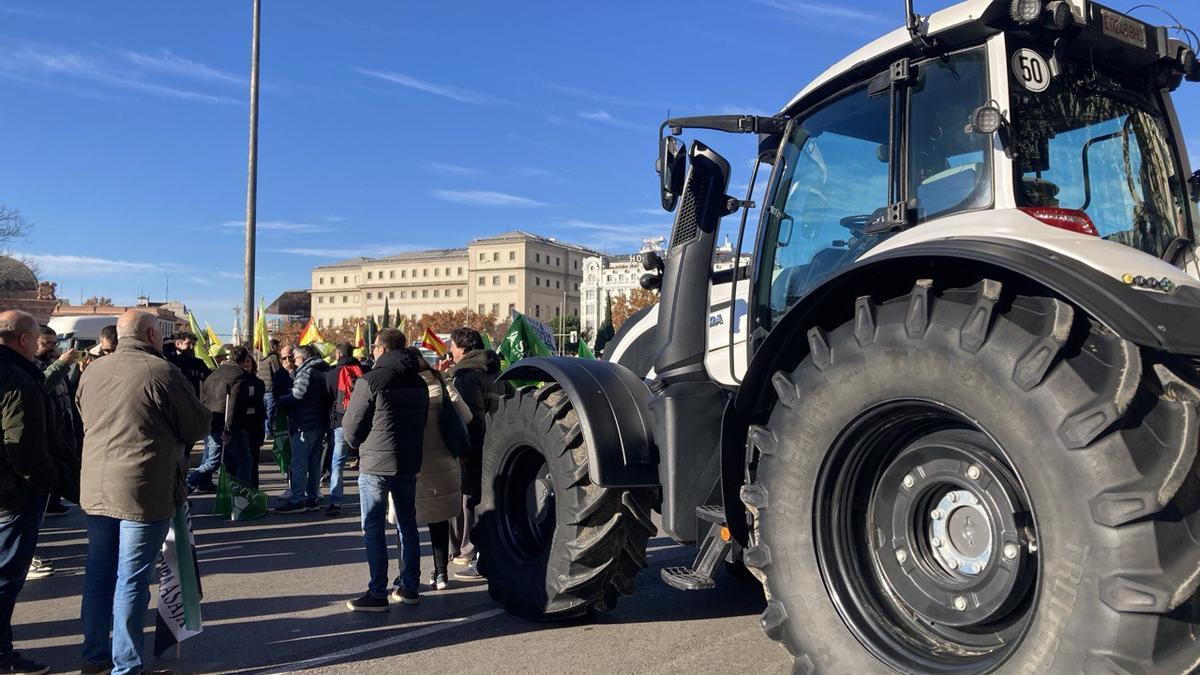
(713, 550)
(684, 579)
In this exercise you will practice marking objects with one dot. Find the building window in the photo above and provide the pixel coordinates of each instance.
(496, 256)
(391, 294)
(320, 323)
(481, 309)
(512, 279)
(436, 271)
(558, 284)
(538, 257)
(537, 281)
(458, 293)
(482, 281)
(369, 275)
(321, 281)
(403, 294)
(511, 307)
(391, 274)
(460, 271)
(345, 299)
(345, 280)
(403, 273)
(437, 292)
(482, 257)
(368, 295)
(557, 261)
(576, 264)
(424, 294)
(577, 287)
(512, 255)
(557, 310)
(447, 271)
(320, 300)
(496, 280)
(425, 272)
(495, 309)
(537, 311)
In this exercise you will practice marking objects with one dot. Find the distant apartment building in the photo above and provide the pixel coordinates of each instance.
(618, 275)
(535, 275)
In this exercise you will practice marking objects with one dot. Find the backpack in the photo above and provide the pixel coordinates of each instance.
(347, 376)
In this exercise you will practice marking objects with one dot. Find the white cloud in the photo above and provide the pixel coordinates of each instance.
(455, 169)
(539, 173)
(812, 10)
(619, 235)
(484, 198)
(62, 69)
(238, 276)
(166, 62)
(54, 265)
(342, 252)
(451, 92)
(656, 211)
(604, 117)
(589, 95)
(275, 226)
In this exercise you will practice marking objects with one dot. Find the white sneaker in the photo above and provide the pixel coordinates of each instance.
(468, 573)
(39, 569)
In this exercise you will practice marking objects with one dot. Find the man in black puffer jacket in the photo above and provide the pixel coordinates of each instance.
(385, 423)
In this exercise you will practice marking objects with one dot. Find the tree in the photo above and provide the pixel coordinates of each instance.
(447, 320)
(605, 332)
(628, 305)
(12, 225)
(562, 326)
(101, 301)
(387, 315)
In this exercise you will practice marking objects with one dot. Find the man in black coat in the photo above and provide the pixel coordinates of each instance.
(385, 423)
(231, 384)
(185, 359)
(339, 383)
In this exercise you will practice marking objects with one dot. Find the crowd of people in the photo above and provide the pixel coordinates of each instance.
(112, 430)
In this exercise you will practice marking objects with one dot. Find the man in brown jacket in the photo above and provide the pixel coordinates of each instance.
(140, 414)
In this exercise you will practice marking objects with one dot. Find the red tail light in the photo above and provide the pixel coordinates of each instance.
(1066, 219)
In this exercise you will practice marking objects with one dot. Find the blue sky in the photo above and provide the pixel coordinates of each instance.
(385, 126)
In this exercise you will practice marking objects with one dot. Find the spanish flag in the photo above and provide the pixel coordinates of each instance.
(310, 334)
(433, 343)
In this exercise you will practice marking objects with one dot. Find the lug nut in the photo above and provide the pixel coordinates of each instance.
(952, 563)
(973, 472)
(1011, 551)
(901, 555)
(909, 481)
(960, 603)
(953, 497)
(936, 542)
(977, 567)
(936, 515)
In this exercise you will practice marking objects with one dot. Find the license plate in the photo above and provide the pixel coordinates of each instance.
(1123, 28)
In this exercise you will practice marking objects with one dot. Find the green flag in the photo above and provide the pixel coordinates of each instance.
(238, 500)
(521, 341)
(202, 345)
(585, 352)
(487, 341)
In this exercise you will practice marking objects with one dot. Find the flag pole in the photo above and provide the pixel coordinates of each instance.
(252, 171)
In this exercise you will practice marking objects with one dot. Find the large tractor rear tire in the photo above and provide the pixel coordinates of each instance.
(551, 544)
(975, 480)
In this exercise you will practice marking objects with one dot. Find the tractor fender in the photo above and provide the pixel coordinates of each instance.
(1160, 321)
(615, 421)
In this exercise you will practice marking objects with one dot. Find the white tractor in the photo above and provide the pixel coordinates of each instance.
(949, 415)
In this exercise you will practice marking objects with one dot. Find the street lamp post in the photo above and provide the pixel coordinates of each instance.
(252, 173)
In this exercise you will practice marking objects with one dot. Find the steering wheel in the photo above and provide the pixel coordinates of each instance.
(857, 224)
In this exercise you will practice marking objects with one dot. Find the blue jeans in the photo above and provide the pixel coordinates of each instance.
(235, 456)
(306, 465)
(338, 468)
(116, 589)
(269, 406)
(18, 539)
(373, 493)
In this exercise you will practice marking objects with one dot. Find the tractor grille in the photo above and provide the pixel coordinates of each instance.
(687, 224)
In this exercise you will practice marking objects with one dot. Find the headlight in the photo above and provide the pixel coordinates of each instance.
(1026, 11)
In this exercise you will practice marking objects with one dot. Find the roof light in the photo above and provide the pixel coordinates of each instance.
(1026, 11)
(1073, 220)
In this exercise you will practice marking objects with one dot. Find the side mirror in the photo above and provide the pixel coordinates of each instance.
(672, 168)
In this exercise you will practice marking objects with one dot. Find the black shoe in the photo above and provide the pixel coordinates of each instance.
(437, 581)
(367, 603)
(16, 663)
(312, 506)
(57, 509)
(290, 507)
(407, 597)
(333, 511)
(89, 668)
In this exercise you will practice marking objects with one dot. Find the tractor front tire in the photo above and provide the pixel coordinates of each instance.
(553, 545)
(979, 480)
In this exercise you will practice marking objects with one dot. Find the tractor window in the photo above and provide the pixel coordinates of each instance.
(1097, 144)
(949, 168)
(832, 180)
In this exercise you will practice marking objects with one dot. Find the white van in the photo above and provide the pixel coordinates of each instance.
(80, 332)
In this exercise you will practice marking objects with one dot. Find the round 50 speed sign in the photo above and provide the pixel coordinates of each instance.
(1031, 70)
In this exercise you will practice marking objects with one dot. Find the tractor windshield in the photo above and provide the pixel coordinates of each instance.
(1097, 144)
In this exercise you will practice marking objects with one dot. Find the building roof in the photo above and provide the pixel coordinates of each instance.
(15, 276)
(519, 235)
(291, 303)
(443, 253)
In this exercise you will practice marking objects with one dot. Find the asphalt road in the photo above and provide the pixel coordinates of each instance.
(274, 594)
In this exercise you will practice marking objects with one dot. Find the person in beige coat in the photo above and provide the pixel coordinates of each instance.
(140, 414)
(439, 489)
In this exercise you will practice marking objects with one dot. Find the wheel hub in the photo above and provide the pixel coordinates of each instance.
(960, 533)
